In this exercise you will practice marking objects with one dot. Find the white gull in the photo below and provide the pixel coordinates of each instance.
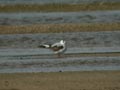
(58, 47)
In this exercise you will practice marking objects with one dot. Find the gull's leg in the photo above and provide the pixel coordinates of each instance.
(60, 55)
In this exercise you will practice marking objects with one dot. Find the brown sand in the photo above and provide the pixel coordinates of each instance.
(87, 80)
(57, 28)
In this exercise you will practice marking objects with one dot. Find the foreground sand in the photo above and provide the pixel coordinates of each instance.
(94, 80)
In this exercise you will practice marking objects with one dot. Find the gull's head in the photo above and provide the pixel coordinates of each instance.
(62, 42)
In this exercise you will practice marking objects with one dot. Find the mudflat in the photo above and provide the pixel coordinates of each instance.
(84, 80)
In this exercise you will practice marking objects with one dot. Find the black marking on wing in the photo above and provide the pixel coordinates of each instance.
(41, 46)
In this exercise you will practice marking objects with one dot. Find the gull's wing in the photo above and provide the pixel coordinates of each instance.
(56, 45)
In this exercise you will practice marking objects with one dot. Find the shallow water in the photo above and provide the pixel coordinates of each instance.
(53, 1)
(59, 17)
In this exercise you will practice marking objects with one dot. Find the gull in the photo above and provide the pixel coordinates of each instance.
(58, 47)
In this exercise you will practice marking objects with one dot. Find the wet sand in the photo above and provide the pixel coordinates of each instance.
(60, 17)
(20, 64)
(95, 80)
